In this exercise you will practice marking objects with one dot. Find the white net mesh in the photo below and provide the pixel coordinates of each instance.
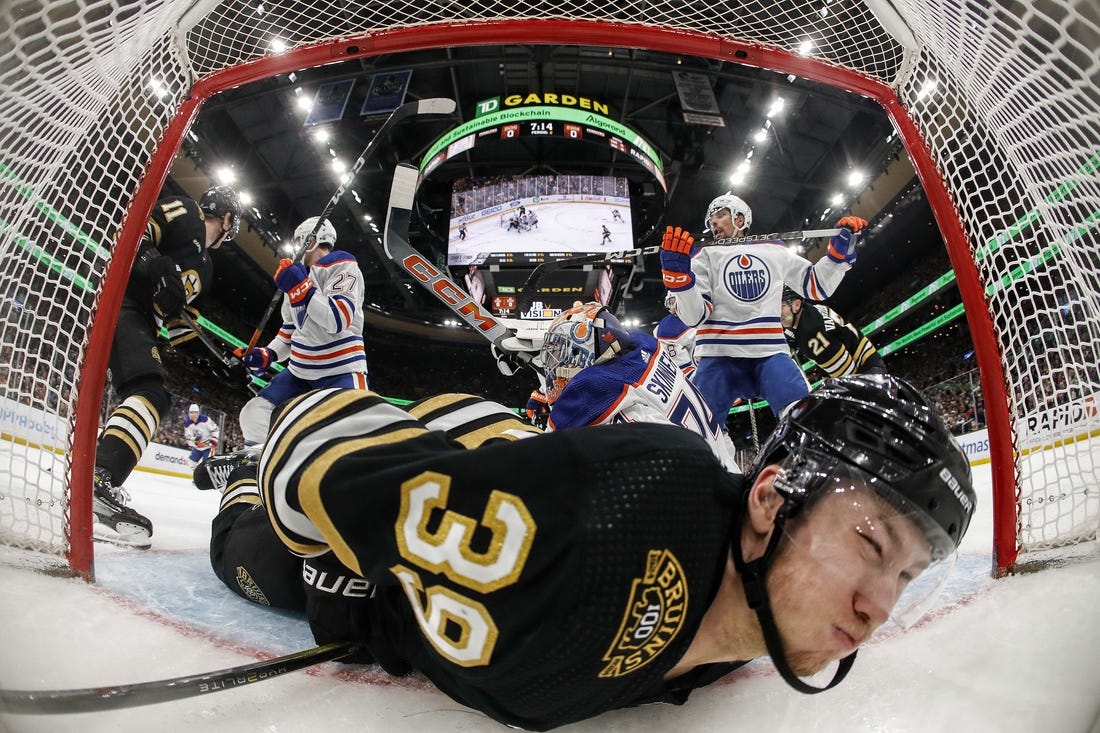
(1004, 94)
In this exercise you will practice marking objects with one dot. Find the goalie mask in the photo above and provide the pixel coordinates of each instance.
(580, 337)
(735, 205)
(217, 201)
(326, 234)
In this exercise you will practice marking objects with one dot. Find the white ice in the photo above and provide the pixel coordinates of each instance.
(1021, 654)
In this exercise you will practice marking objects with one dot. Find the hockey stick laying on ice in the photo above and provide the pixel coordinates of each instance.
(434, 106)
(116, 697)
(539, 273)
(511, 353)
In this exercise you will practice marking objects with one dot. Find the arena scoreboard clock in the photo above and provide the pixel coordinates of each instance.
(544, 121)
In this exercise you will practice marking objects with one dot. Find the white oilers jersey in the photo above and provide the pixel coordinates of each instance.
(201, 433)
(738, 292)
(640, 385)
(324, 337)
(678, 340)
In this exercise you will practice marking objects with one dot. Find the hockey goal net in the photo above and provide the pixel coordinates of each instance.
(998, 105)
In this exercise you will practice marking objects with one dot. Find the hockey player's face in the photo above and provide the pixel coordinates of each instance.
(838, 574)
(787, 313)
(723, 224)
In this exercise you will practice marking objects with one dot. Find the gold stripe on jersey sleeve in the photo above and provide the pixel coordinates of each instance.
(154, 232)
(309, 488)
(283, 445)
(839, 365)
(503, 429)
(286, 435)
(445, 403)
(865, 350)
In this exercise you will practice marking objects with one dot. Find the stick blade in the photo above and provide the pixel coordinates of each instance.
(435, 106)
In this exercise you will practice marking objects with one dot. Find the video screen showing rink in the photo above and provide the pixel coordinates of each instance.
(530, 219)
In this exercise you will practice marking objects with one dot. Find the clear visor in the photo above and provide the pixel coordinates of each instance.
(867, 540)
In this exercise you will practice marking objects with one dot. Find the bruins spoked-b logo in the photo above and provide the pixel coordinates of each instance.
(654, 614)
(747, 277)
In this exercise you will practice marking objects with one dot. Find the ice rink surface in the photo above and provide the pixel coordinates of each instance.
(1021, 654)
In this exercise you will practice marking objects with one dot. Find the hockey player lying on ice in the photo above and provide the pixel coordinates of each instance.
(547, 580)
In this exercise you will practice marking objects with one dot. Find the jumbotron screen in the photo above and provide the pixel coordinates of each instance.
(527, 220)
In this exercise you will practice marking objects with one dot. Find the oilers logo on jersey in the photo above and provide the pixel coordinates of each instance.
(747, 277)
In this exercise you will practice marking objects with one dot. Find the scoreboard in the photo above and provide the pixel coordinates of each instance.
(548, 121)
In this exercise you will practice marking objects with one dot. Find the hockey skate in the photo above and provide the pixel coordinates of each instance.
(114, 521)
(213, 472)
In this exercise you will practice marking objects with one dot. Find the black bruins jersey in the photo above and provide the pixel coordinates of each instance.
(832, 343)
(176, 229)
(541, 581)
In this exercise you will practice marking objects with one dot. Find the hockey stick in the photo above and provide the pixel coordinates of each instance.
(98, 699)
(539, 273)
(230, 363)
(511, 353)
(433, 106)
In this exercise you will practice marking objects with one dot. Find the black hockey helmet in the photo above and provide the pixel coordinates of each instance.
(218, 201)
(881, 425)
(871, 441)
(789, 296)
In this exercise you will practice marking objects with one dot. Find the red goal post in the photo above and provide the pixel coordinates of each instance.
(998, 108)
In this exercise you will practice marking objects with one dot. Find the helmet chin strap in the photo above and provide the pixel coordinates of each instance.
(756, 593)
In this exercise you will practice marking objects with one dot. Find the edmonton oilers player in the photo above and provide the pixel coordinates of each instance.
(732, 294)
(600, 373)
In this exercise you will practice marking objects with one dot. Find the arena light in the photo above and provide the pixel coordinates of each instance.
(225, 175)
(856, 178)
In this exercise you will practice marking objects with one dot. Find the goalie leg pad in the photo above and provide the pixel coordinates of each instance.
(256, 419)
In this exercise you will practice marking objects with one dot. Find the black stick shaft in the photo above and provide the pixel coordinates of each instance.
(98, 699)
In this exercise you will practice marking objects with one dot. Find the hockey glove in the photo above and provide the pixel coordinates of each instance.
(258, 360)
(842, 247)
(293, 279)
(676, 259)
(169, 295)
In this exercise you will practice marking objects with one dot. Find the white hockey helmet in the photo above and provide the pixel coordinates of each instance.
(736, 206)
(326, 233)
(193, 408)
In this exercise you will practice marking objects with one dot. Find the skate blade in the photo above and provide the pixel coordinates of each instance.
(125, 535)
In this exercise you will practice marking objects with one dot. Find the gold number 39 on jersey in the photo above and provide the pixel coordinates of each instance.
(460, 628)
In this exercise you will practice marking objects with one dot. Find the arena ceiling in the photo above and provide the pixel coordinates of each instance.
(797, 169)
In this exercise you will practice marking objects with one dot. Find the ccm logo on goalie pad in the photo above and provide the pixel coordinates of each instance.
(452, 294)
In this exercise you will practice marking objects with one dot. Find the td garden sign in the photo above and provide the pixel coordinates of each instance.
(495, 104)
